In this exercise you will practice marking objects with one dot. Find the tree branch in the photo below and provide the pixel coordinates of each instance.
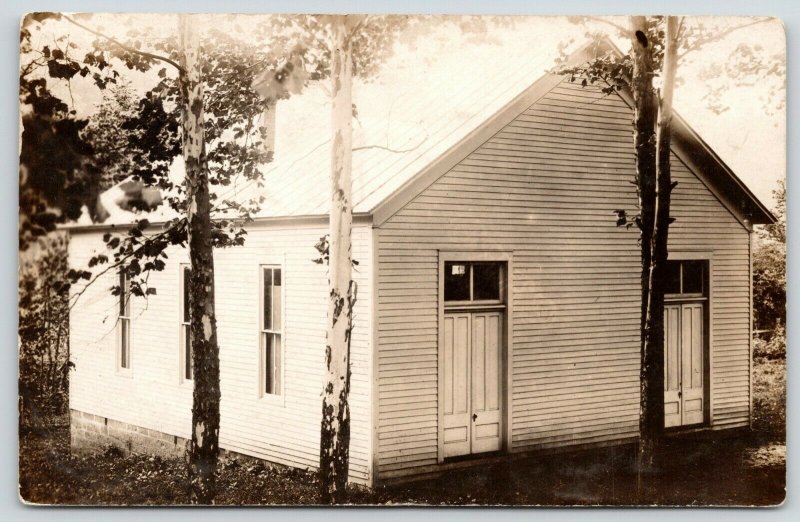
(74, 297)
(125, 47)
(717, 37)
(624, 30)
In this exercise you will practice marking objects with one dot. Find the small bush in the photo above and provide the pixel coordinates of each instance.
(769, 398)
(113, 452)
(774, 347)
(43, 333)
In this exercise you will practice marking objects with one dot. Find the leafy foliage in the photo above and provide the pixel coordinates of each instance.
(769, 270)
(57, 176)
(43, 331)
(136, 136)
(323, 247)
(769, 391)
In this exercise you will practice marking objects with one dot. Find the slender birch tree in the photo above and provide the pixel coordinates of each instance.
(652, 121)
(204, 447)
(352, 45)
(335, 429)
(657, 44)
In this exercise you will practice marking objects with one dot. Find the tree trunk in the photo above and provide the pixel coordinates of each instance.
(204, 447)
(651, 406)
(335, 428)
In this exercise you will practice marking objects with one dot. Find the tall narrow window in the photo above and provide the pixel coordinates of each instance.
(124, 321)
(186, 333)
(271, 330)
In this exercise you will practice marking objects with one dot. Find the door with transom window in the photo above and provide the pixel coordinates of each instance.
(474, 323)
(685, 347)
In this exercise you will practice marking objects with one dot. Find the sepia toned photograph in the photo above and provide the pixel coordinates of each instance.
(401, 260)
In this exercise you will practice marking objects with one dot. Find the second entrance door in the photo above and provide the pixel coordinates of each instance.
(472, 378)
(683, 364)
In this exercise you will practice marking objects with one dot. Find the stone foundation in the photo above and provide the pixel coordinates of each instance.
(94, 434)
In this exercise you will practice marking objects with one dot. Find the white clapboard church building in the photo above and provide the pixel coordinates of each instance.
(498, 305)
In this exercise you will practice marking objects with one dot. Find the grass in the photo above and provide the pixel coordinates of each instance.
(769, 398)
(740, 467)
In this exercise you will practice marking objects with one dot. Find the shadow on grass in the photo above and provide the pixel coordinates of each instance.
(696, 469)
(725, 468)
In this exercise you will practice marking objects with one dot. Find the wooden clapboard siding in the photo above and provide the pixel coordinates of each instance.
(284, 431)
(545, 187)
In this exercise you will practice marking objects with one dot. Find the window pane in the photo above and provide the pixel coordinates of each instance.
(187, 352)
(693, 277)
(276, 366)
(456, 281)
(267, 299)
(268, 349)
(186, 278)
(486, 281)
(276, 303)
(673, 282)
(123, 347)
(276, 281)
(122, 292)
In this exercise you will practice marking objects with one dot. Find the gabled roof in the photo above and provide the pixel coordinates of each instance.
(404, 123)
(722, 181)
(411, 129)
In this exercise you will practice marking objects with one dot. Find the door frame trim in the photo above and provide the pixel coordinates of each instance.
(501, 256)
(708, 256)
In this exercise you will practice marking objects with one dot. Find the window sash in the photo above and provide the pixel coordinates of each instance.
(470, 273)
(125, 343)
(186, 338)
(271, 300)
(681, 264)
(124, 321)
(185, 324)
(271, 330)
(271, 360)
(124, 296)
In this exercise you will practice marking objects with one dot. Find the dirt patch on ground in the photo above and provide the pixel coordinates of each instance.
(771, 454)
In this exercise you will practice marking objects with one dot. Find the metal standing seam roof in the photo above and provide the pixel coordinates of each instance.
(418, 126)
(420, 106)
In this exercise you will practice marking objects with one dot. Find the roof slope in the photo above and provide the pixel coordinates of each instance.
(406, 119)
(731, 191)
(430, 103)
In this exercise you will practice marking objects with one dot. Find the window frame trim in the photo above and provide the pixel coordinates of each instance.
(278, 399)
(182, 380)
(483, 255)
(121, 370)
(709, 301)
(688, 256)
(478, 303)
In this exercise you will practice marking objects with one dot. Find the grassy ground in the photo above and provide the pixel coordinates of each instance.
(734, 468)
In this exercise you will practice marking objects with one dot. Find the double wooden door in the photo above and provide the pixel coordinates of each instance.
(473, 369)
(684, 359)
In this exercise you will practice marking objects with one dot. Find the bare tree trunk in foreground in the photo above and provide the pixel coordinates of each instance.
(204, 447)
(335, 429)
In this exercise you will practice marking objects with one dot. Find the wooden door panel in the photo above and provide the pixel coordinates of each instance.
(692, 341)
(456, 429)
(672, 368)
(684, 353)
(486, 353)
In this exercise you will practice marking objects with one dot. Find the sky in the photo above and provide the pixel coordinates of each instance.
(750, 136)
